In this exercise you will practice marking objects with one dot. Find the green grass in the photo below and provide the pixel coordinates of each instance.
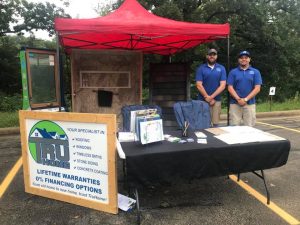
(276, 106)
(9, 119)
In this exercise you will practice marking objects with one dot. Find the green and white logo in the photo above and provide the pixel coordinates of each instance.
(49, 144)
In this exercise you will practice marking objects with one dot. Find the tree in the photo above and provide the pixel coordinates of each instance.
(270, 30)
(104, 8)
(10, 63)
(18, 16)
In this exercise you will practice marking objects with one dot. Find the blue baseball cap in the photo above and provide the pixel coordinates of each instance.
(244, 53)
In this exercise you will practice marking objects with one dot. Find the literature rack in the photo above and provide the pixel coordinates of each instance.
(148, 126)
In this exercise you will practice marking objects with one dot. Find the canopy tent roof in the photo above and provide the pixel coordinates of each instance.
(132, 27)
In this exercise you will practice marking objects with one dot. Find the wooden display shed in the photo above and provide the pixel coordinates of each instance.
(105, 80)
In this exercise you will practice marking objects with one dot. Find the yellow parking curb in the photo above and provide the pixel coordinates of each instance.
(10, 176)
(276, 209)
(286, 128)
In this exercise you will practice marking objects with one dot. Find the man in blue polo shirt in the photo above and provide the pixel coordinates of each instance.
(244, 84)
(211, 81)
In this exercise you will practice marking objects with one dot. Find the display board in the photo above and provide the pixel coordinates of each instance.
(168, 84)
(40, 78)
(70, 157)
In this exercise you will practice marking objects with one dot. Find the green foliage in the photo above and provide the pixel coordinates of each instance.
(10, 63)
(18, 16)
(268, 29)
(104, 8)
(68, 102)
(169, 10)
(10, 103)
(145, 96)
(290, 104)
(9, 119)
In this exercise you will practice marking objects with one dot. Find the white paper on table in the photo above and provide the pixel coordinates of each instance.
(274, 137)
(245, 134)
(200, 134)
(230, 138)
(125, 203)
(240, 129)
(202, 141)
(215, 130)
(126, 136)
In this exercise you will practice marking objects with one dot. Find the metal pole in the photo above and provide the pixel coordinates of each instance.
(228, 69)
(58, 72)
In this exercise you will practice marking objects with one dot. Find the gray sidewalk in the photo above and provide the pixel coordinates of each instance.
(262, 115)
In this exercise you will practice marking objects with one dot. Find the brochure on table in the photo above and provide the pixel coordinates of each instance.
(145, 126)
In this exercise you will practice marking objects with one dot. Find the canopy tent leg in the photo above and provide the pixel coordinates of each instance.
(228, 69)
(138, 216)
(126, 185)
(58, 72)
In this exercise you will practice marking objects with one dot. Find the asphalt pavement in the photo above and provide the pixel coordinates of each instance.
(205, 201)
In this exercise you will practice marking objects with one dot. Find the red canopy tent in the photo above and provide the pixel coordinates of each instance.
(131, 27)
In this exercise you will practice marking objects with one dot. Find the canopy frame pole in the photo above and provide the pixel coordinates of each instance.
(228, 69)
(131, 41)
(58, 72)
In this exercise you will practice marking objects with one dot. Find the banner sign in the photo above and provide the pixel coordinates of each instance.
(70, 157)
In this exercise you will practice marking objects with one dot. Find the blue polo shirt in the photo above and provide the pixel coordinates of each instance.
(210, 78)
(243, 82)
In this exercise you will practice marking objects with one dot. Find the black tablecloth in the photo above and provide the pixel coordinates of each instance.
(166, 161)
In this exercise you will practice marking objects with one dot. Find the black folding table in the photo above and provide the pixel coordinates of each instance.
(165, 161)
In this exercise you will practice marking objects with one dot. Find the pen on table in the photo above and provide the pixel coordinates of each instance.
(186, 125)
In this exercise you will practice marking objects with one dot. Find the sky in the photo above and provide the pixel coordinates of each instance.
(77, 9)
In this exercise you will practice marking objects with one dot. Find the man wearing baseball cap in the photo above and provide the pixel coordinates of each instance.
(244, 84)
(211, 81)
